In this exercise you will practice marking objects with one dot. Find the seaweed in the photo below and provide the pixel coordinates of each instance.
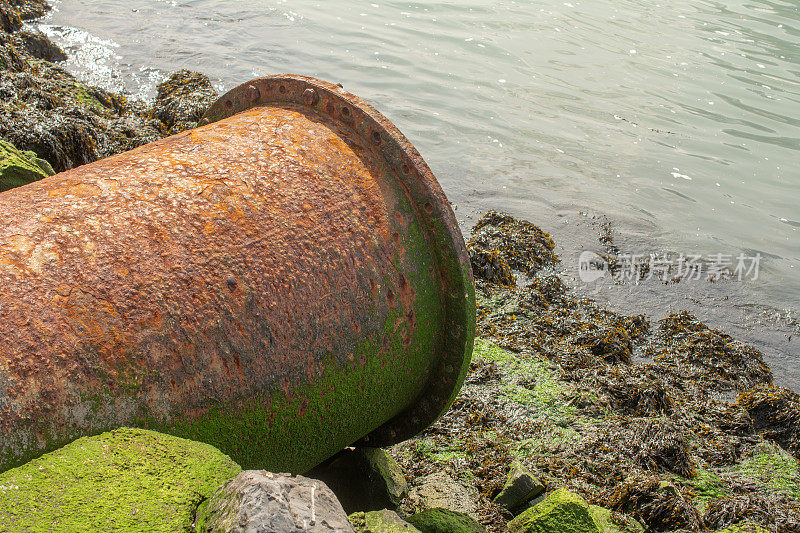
(624, 414)
(775, 412)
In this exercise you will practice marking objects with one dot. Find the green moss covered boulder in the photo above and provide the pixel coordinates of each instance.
(521, 486)
(439, 520)
(384, 521)
(123, 480)
(563, 510)
(18, 167)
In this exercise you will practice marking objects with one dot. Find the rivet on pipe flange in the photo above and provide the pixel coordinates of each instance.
(310, 97)
(253, 93)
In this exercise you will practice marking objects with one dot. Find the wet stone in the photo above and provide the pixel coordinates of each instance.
(257, 500)
(520, 487)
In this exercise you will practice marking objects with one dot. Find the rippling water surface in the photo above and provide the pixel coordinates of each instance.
(679, 117)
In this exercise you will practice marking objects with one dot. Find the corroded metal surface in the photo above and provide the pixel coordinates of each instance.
(281, 282)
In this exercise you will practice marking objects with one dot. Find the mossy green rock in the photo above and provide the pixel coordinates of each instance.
(19, 168)
(439, 520)
(520, 487)
(384, 521)
(563, 510)
(123, 480)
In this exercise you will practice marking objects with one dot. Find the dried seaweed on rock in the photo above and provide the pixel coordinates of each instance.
(775, 412)
(697, 353)
(523, 246)
(661, 506)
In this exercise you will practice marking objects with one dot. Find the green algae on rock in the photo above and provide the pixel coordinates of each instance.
(520, 487)
(560, 511)
(18, 168)
(439, 520)
(383, 521)
(126, 479)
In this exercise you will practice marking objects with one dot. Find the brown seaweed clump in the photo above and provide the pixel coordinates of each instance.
(522, 246)
(625, 415)
(707, 357)
(183, 99)
(775, 414)
(658, 504)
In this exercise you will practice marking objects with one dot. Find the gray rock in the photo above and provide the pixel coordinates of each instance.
(441, 490)
(258, 501)
(364, 479)
(520, 487)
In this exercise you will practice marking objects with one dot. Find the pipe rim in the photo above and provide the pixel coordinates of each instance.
(452, 261)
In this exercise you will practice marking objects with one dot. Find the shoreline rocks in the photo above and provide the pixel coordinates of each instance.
(46, 110)
(570, 413)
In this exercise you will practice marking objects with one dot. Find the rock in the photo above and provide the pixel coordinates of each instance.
(183, 99)
(520, 487)
(29, 9)
(126, 479)
(364, 479)
(440, 520)
(441, 490)
(9, 18)
(561, 511)
(39, 45)
(384, 521)
(257, 500)
(18, 167)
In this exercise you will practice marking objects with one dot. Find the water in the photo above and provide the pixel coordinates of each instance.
(679, 120)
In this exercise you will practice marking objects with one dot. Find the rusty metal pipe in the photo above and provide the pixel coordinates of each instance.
(281, 282)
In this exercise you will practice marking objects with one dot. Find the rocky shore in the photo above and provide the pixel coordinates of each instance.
(572, 418)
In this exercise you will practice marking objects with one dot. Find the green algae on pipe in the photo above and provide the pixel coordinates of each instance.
(281, 282)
